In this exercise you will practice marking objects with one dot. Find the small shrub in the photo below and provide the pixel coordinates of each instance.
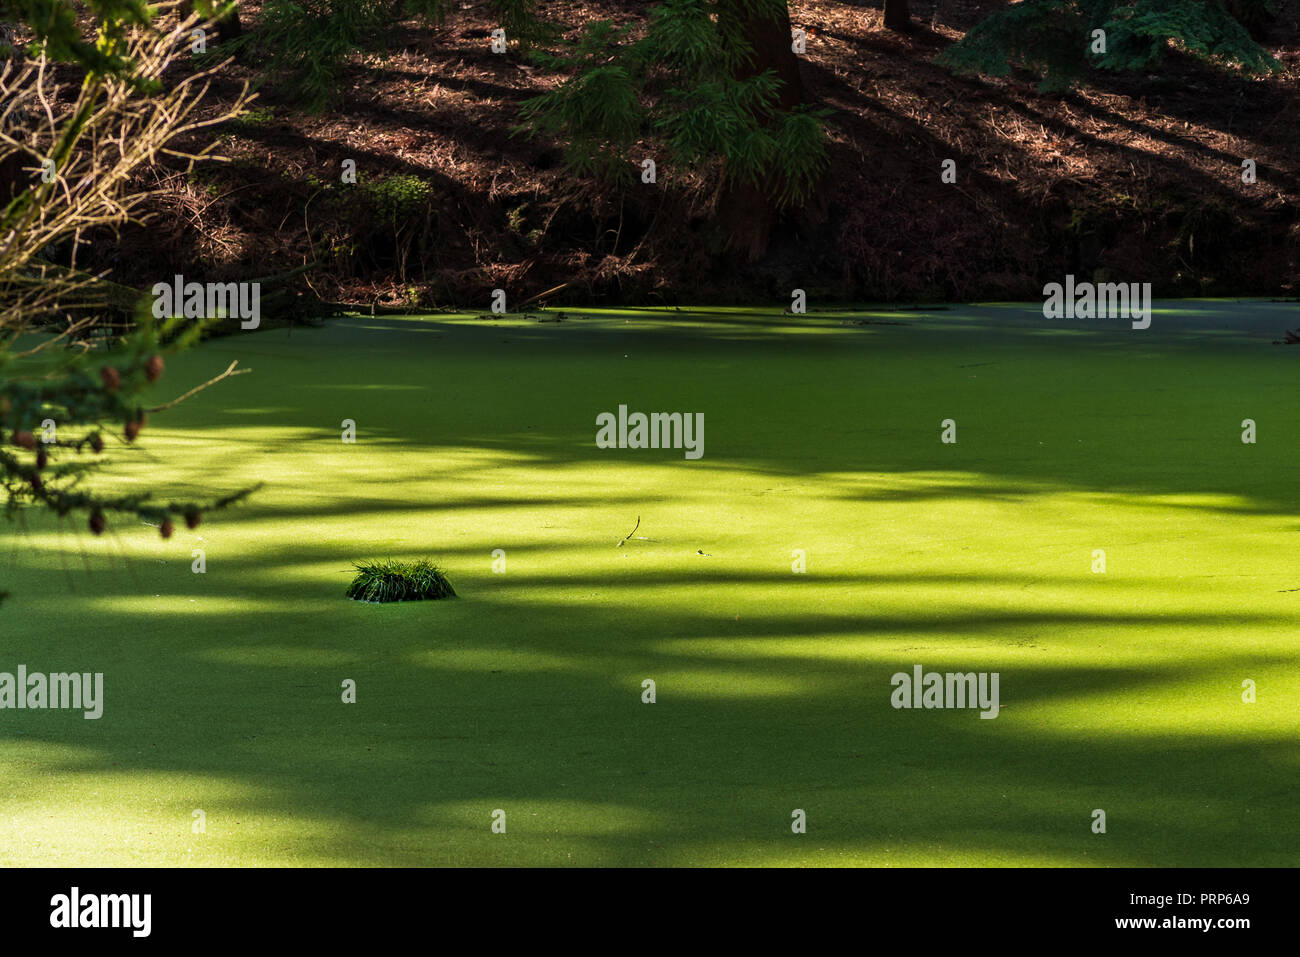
(399, 581)
(402, 213)
(400, 196)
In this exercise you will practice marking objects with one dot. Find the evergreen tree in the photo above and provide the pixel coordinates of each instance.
(716, 81)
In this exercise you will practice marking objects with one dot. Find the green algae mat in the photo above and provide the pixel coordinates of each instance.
(716, 572)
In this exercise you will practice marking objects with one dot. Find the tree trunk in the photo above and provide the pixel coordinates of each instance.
(772, 45)
(897, 15)
(747, 210)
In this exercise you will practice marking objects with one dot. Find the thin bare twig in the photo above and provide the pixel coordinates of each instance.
(199, 388)
(631, 533)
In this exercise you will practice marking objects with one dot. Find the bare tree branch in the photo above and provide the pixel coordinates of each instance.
(230, 371)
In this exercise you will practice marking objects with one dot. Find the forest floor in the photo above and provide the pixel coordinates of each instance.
(826, 541)
(1134, 177)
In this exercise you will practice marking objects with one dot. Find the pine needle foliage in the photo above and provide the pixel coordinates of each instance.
(1054, 38)
(521, 23)
(597, 112)
(679, 83)
(306, 43)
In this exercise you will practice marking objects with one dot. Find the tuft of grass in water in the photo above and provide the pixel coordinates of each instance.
(399, 581)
